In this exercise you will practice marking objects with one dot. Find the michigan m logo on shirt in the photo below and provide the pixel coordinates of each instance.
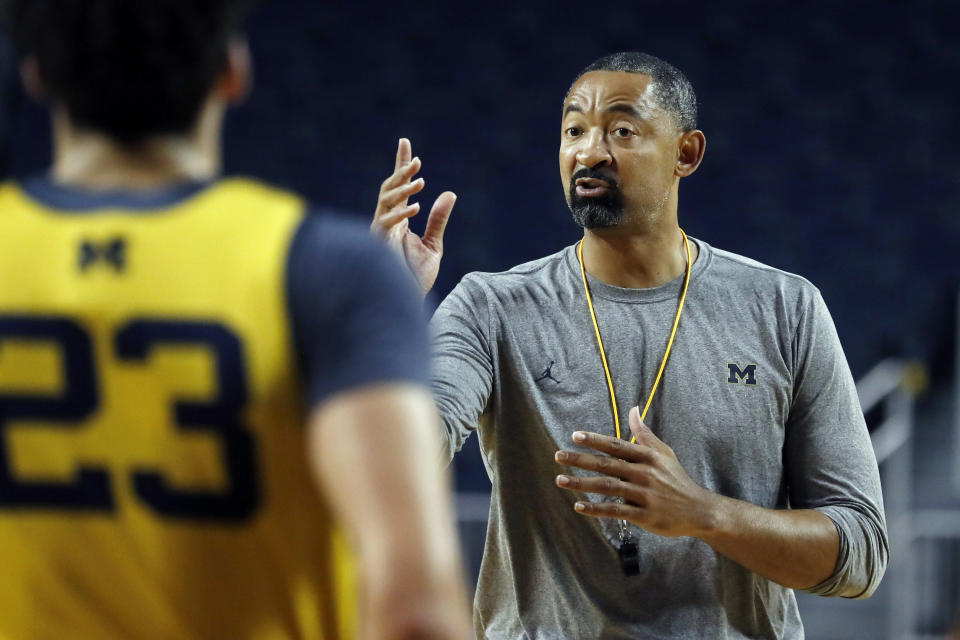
(748, 374)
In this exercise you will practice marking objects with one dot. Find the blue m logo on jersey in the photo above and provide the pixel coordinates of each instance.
(748, 374)
(112, 253)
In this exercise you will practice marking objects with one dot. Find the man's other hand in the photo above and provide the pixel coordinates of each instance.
(658, 494)
(391, 219)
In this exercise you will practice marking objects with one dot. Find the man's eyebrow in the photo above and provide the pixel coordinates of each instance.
(625, 108)
(616, 108)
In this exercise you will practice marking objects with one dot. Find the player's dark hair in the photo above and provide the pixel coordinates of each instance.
(673, 91)
(130, 69)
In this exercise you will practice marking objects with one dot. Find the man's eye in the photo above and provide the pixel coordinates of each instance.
(622, 132)
(573, 132)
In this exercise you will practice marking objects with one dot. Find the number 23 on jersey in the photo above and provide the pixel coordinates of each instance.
(70, 409)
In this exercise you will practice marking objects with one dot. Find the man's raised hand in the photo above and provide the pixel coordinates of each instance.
(391, 218)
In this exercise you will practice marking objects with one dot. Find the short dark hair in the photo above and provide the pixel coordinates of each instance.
(130, 69)
(672, 89)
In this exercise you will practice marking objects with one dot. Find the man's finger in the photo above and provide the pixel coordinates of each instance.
(401, 175)
(609, 510)
(399, 195)
(603, 485)
(394, 234)
(607, 465)
(404, 151)
(385, 222)
(437, 221)
(614, 446)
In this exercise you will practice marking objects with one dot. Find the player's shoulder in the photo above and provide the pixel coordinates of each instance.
(233, 197)
(254, 204)
(736, 274)
(254, 187)
(245, 193)
(8, 186)
(334, 236)
(334, 251)
(13, 194)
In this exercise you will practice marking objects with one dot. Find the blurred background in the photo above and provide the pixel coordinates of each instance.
(831, 153)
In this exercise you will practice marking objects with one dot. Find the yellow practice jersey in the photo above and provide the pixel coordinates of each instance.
(153, 475)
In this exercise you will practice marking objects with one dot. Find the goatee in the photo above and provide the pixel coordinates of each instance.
(596, 212)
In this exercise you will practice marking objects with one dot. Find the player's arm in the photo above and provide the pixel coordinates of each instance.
(393, 212)
(362, 340)
(372, 450)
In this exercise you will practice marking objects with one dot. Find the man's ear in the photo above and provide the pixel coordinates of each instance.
(236, 78)
(32, 79)
(692, 145)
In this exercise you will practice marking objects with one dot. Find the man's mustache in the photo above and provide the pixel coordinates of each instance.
(598, 174)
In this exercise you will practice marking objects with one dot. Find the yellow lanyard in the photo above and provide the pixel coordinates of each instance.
(603, 353)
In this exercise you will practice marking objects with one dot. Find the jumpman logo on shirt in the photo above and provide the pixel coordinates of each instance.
(547, 374)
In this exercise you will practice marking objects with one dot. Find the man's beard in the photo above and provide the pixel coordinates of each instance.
(596, 212)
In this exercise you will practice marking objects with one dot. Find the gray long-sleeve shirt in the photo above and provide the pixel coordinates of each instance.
(757, 401)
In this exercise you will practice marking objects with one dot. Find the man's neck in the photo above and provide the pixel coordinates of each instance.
(93, 161)
(638, 259)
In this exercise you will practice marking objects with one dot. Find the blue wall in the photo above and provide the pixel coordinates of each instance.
(831, 147)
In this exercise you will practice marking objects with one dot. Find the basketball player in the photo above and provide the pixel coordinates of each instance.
(194, 369)
(752, 473)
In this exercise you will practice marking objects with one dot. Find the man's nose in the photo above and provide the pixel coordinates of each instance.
(593, 151)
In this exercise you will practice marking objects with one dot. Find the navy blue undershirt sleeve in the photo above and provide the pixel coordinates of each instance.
(355, 311)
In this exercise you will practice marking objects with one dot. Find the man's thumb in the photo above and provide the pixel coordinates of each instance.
(637, 427)
(437, 220)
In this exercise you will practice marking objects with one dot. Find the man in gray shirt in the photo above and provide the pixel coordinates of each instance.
(752, 473)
